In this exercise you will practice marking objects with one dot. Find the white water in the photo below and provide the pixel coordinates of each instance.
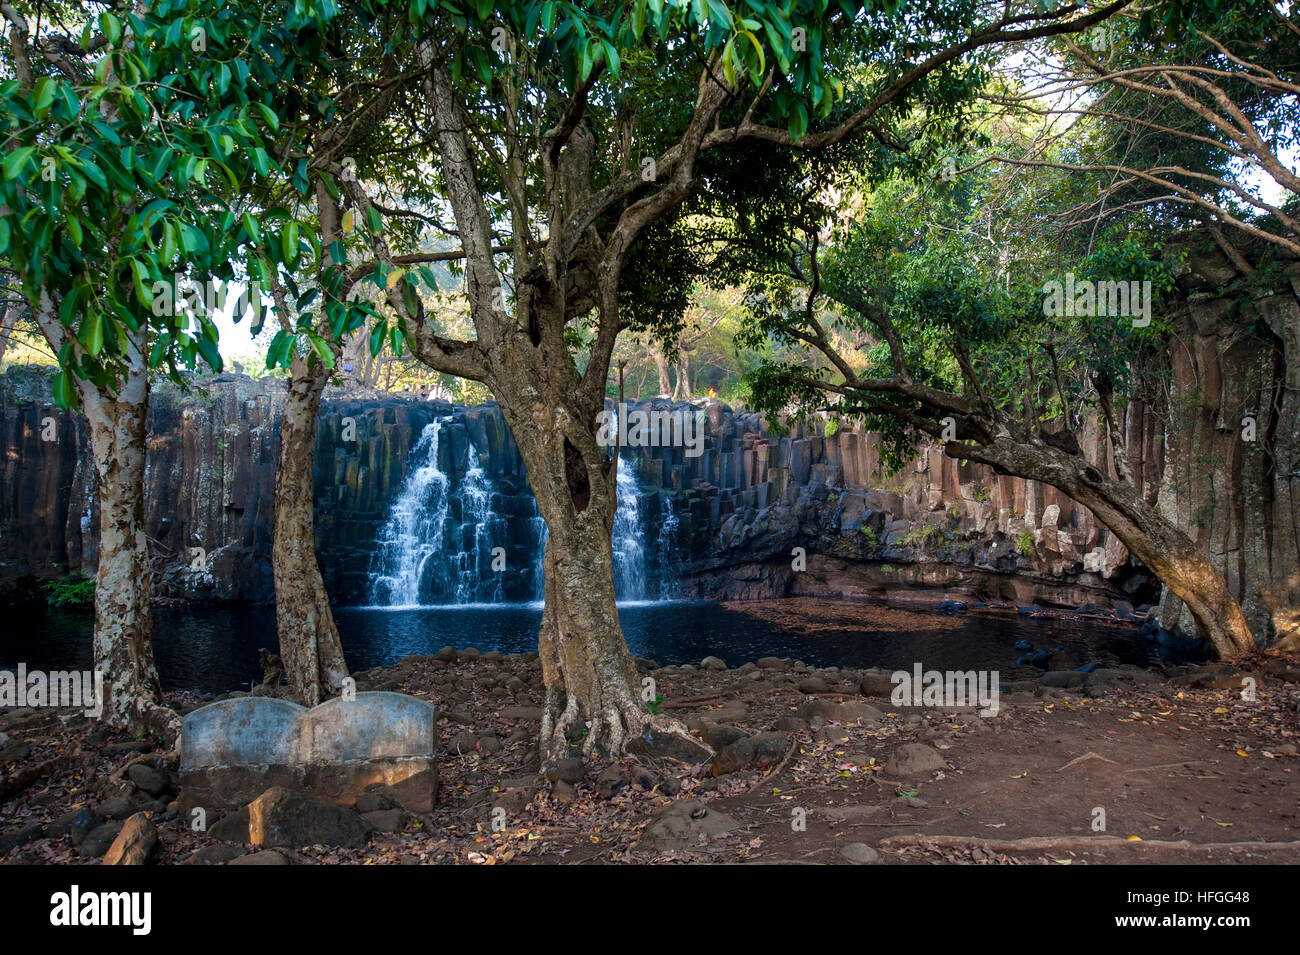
(629, 537)
(425, 556)
(413, 533)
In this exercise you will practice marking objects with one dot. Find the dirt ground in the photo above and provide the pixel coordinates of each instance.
(1178, 766)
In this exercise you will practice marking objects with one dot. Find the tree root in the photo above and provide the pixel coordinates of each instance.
(156, 720)
(19, 782)
(620, 720)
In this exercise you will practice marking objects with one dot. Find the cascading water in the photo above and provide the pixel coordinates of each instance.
(629, 537)
(443, 534)
(669, 584)
(413, 533)
(642, 568)
(479, 527)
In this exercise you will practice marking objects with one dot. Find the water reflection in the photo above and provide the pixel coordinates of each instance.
(215, 648)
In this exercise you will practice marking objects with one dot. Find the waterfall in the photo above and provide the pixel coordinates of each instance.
(413, 533)
(442, 535)
(665, 544)
(642, 569)
(629, 537)
(437, 545)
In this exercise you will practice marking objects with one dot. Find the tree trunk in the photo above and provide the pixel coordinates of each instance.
(593, 698)
(682, 390)
(309, 640)
(1169, 553)
(123, 640)
(661, 366)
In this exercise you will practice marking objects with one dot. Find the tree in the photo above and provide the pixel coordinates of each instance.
(571, 138)
(1193, 122)
(127, 138)
(972, 352)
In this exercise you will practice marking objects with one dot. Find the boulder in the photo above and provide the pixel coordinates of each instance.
(912, 759)
(135, 844)
(1063, 679)
(99, 839)
(231, 828)
(119, 807)
(373, 802)
(758, 752)
(148, 780)
(687, 822)
(859, 853)
(387, 820)
(213, 855)
(267, 857)
(20, 837)
(877, 683)
(721, 735)
(849, 711)
(282, 818)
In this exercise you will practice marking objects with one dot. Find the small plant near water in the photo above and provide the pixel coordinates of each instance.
(1025, 544)
(73, 591)
(928, 534)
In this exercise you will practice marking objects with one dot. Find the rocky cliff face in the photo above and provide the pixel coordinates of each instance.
(761, 515)
(755, 514)
(1228, 470)
(734, 513)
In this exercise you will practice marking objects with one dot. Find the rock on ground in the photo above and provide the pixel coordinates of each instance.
(686, 822)
(914, 758)
(135, 844)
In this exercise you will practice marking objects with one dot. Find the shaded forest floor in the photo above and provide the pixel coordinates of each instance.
(1183, 768)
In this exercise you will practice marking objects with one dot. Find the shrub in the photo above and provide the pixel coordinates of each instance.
(1025, 544)
(75, 590)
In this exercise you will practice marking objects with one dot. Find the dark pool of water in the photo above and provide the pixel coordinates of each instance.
(215, 648)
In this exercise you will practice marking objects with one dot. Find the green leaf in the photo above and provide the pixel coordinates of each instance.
(377, 335)
(289, 243)
(112, 28)
(16, 159)
(92, 332)
(280, 352)
(268, 114)
(323, 350)
(140, 276)
(208, 349)
(44, 94)
(65, 395)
